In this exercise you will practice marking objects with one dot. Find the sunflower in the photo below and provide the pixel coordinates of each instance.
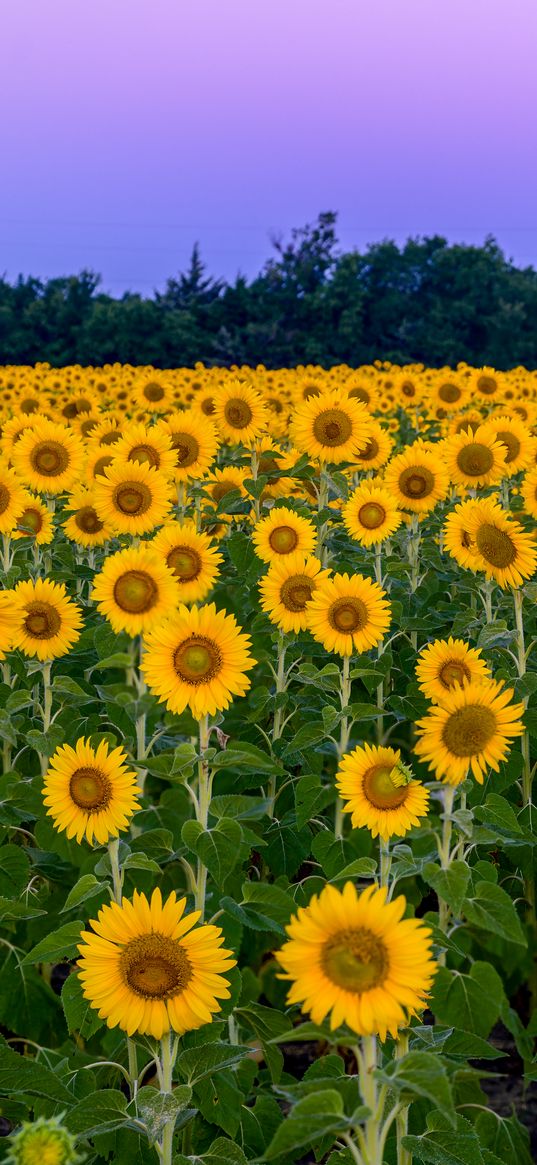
(239, 413)
(134, 589)
(48, 457)
(355, 956)
(417, 479)
(282, 533)
(456, 536)
(288, 588)
(13, 499)
(331, 427)
(514, 434)
(446, 663)
(197, 658)
(408, 390)
(148, 446)
(371, 515)
(194, 442)
(132, 498)
(8, 615)
(98, 460)
(154, 392)
(42, 1141)
(529, 492)
(147, 968)
(106, 432)
(90, 792)
(379, 792)
(47, 623)
(486, 382)
(470, 731)
(221, 482)
(85, 527)
(12, 431)
(377, 450)
(474, 458)
(448, 391)
(191, 557)
(499, 545)
(348, 614)
(35, 521)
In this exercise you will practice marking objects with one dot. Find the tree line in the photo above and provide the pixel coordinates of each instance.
(425, 301)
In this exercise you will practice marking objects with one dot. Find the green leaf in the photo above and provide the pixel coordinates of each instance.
(287, 848)
(306, 736)
(24, 1074)
(360, 868)
(268, 1025)
(311, 797)
(60, 944)
(86, 887)
(14, 870)
(221, 1152)
(196, 1063)
(493, 910)
(471, 1002)
(79, 1016)
(311, 1118)
(243, 755)
(219, 849)
(504, 1136)
(444, 1145)
(98, 1113)
(421, 1074)
(498, 813)
(450, 884)
(157, 1109)
(9, 909)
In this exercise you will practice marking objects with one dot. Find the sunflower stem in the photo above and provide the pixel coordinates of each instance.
(46, 710)
(404, 1157)
(281, 686)
(322, 501)
(7, 557)
(444, 853)
(344, 734)
(255, 468)
(385, 862)
(117, 875)
(168, 1056)
(414, 563)
(204, 800)
(521, 657)
(132, 1053)
(368, 1091)
(378, 564)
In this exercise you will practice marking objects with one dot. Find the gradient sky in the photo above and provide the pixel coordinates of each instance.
(132, 128)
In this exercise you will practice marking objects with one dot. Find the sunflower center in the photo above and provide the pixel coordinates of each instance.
(155, 967)
(238, 413)
(416, 482)
(495, 545)
(449, 393)
(296, 592)
(185, 562)
(207, 406)
(360, 394)
(186, 449)
(380, 790)
(90, 789)
(49, 458)
(222, 488)
(45, 1148)
(469, 730)
(102, 464)
(348, 615)
(135, 592)
(110, 438)
(371, 450)
(512, 443)
(87, 426)
(30, 521)
(355, 959)
(5, 498)
(87, 520)
(145, 455)
(475, 459)
(197, 660)
(332, 427)
(29, 405)
(267, 464)
(153, 391)
(42, 621)
(371, 515)
(487, 385)
(283, 539)
(408, 389)
(132, 498)
(454, 671)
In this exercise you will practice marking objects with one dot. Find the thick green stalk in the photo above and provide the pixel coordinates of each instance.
(281, 685)
(344, 734)
(168, 1056)
(521, 659)
(404, 1156)
(204, 800)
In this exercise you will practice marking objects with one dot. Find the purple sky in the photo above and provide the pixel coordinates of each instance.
(132, 128)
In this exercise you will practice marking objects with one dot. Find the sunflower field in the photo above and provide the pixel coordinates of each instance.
(268, 717)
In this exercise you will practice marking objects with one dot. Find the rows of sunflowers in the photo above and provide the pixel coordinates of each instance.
(267, 715)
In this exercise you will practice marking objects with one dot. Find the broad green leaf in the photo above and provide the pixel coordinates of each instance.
(14, 871)
(243, 755)
(79, 1016)
(219, 849)
(11, 909)
(100, 1112)
(196, 1063)
(471, 1002)
(26, 1074)
(287, 848)
(60, 944)
(504, 1136)
(421, 1074)
(221, 1152)
(491, 909)
(497, 812)
(450, 884)
(311, 797)
(87, 887)
(156, 1109)
(311, 1118)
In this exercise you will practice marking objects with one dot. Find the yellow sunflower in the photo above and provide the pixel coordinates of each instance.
(154, 392)
(355, 957)
(198, 659)
(529, 492)
(379, 792)
(98, 460)
(84, 526)
(282, 533)
(148, 446)
(8, 615)
(486, 383)
(446, 663)
(106, 432)
(331, 427)
(47, 622)
(132, 498)
(147, 968)
(90, 792)
(348, 614)
(191, 557)
(456, 536)
(239, 413)
(35, 521)
(194, 441)
(499, 545)
(470, 731)
(474, 458)
(517, 439)
(12, 430)
(134, 589)
(448, 391)
(378, 449)
(48, 457)
(371, 515)
(13, 499)
(287, 589)
(221, 482)
(417, 479)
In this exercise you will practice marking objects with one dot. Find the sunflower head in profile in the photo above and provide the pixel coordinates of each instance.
(197, 659)
(355, 958)
(191, 558)
(446, 663)
(35, 522)
(47, 622)
(470, 731)
(43, 1141)
(348, 614)
(283, 532)
(147, 445)
(48, 457)
(371, 514)
(89, 792)
(134, 589)
(288, 588)
(240, 414)
(147, 968)
(85, 526)
(194, 442)
(474, 458)
(416, 479)
(331, 427)
(132, 498)
(378, 794)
